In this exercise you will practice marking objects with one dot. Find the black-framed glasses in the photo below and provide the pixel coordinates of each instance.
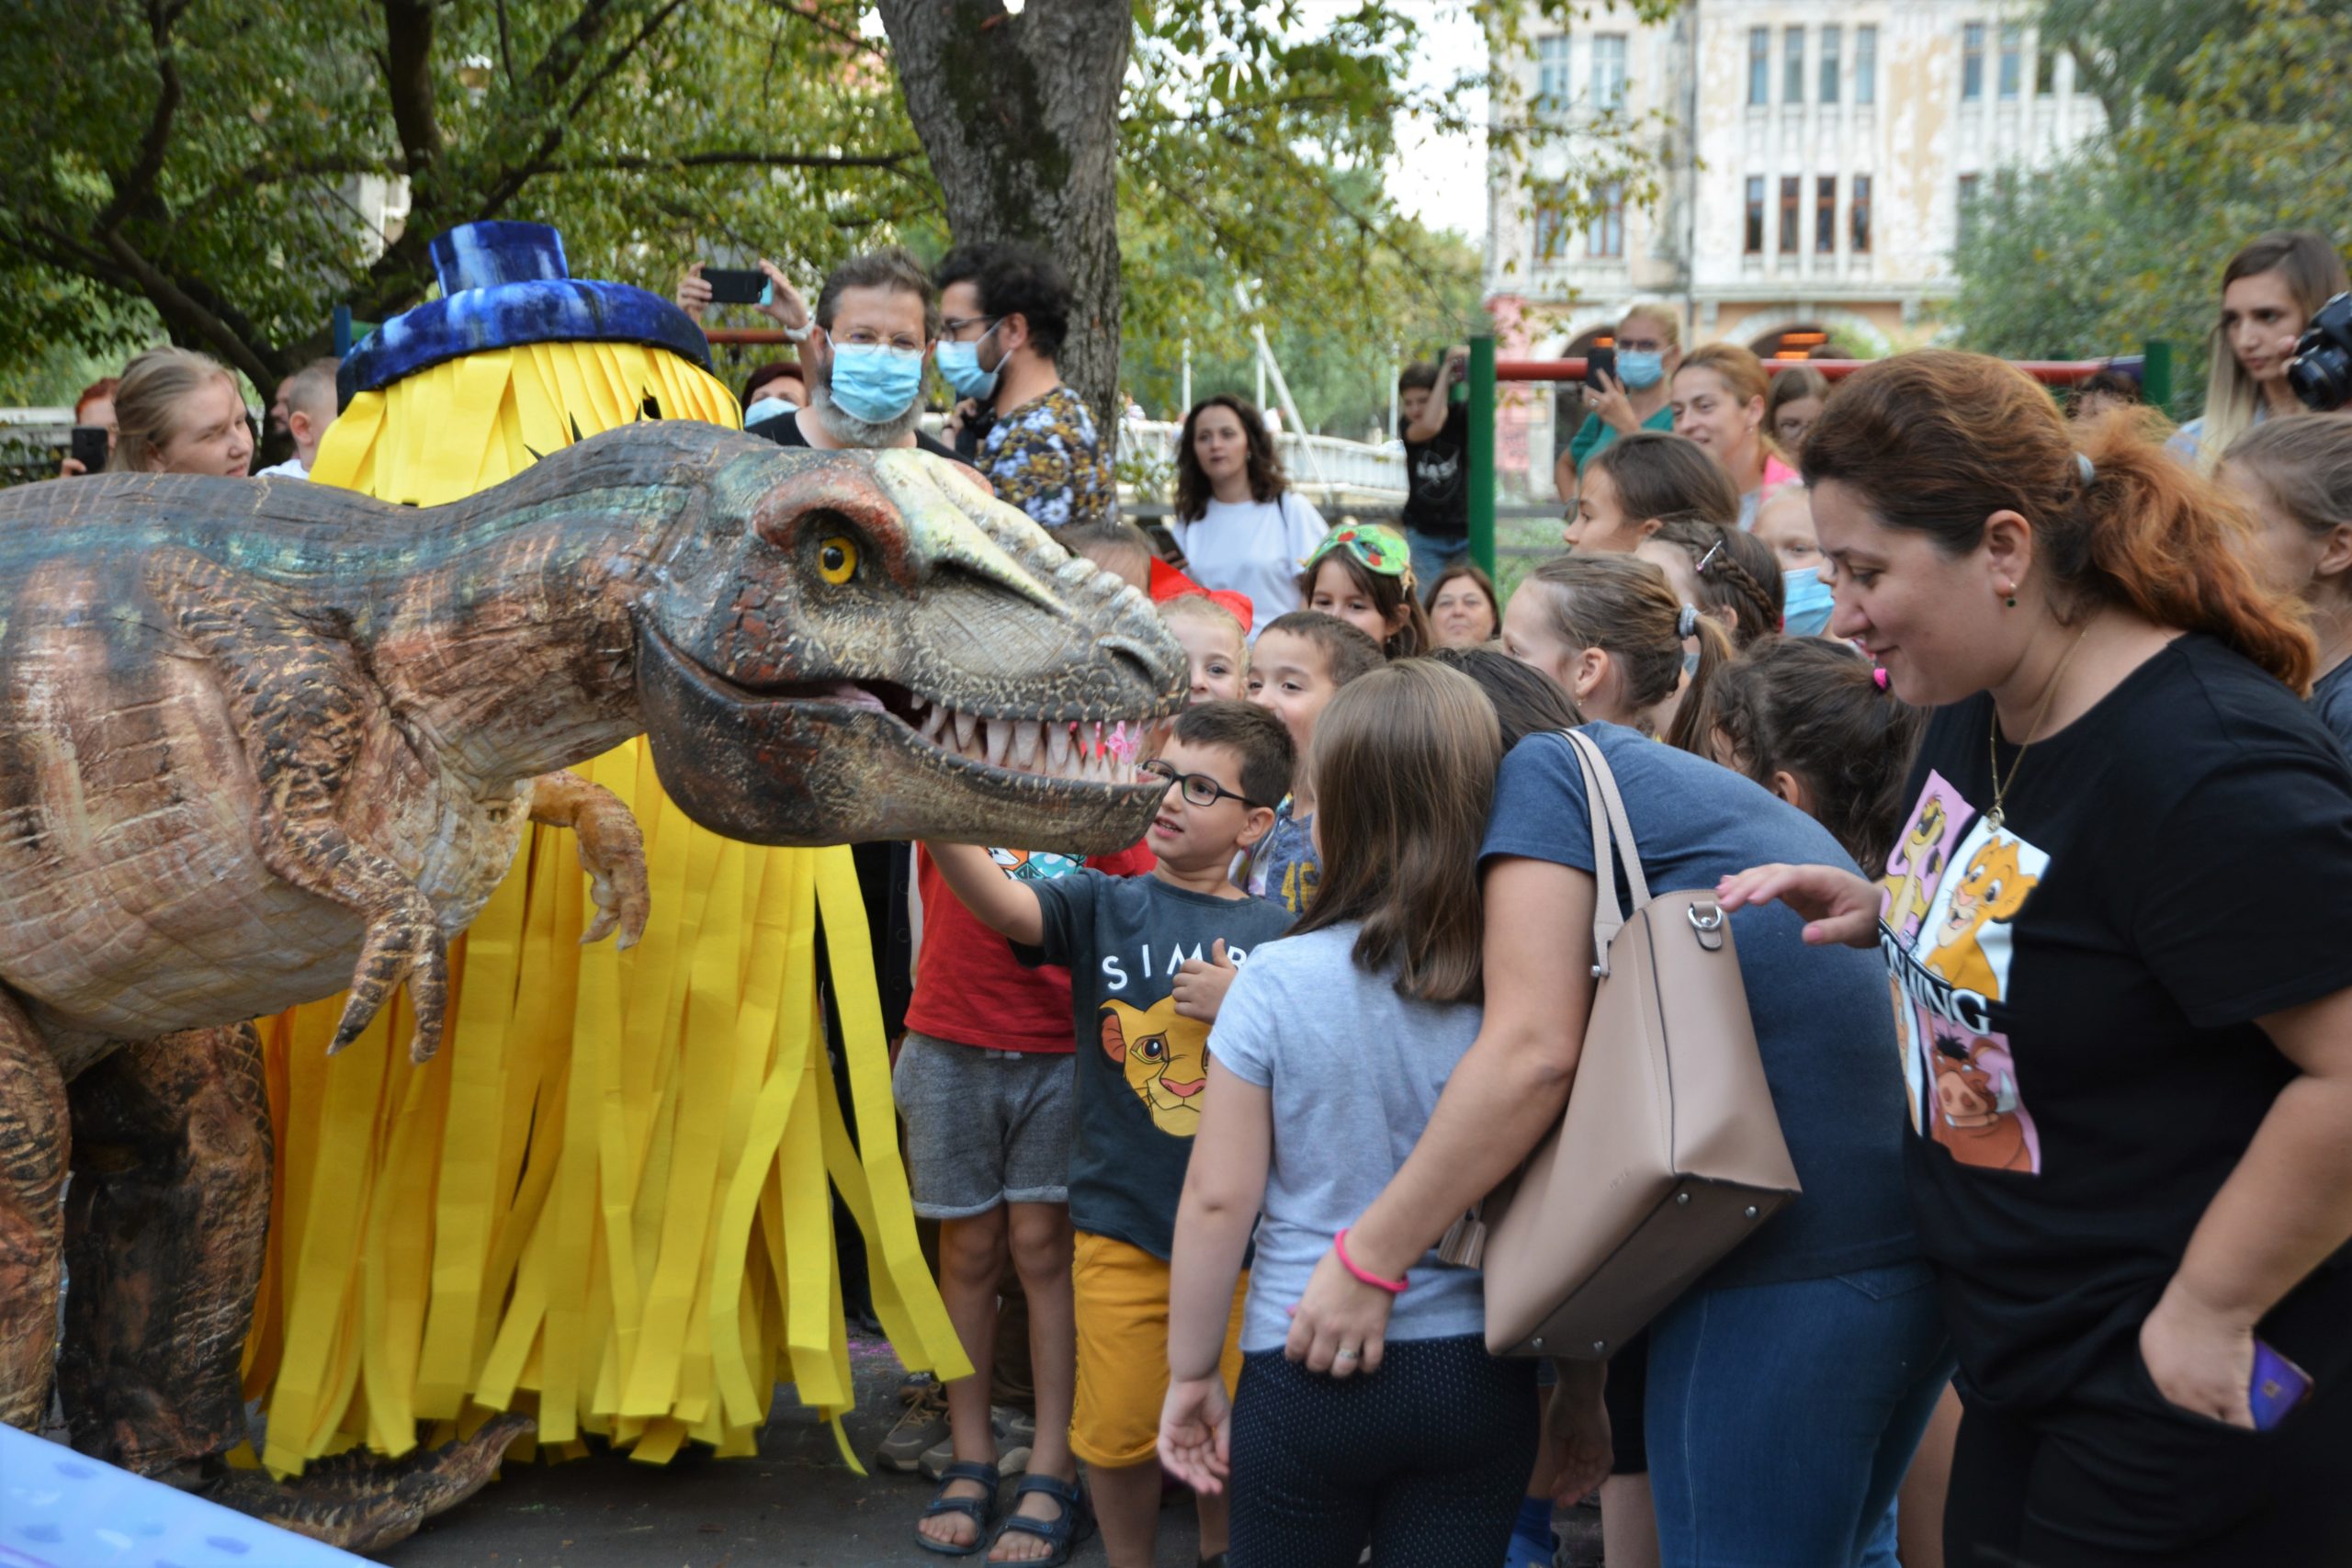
(952, 328)
(1199, 789)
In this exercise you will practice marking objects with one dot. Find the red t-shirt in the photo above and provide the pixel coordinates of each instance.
(968, 986)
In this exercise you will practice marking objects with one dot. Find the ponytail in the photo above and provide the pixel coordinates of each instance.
(1937, 441)
(1689, 730)
(1623, 605)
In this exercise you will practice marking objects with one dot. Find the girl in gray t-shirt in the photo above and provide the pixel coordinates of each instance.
(1328, 1056)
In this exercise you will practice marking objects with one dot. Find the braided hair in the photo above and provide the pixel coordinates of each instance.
(1738, 573)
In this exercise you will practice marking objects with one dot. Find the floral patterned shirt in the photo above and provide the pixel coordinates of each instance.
(1043, 459)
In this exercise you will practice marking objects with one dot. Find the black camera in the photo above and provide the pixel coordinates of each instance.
(2321, 372)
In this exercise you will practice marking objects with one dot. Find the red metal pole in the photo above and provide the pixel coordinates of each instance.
(2050, 372)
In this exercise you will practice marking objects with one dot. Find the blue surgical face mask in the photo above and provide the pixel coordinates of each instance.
(767, 408)
(1807, 603)
(960, 363)
(1639, 370)
(874, 382)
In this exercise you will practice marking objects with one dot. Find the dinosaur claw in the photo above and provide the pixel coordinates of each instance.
(365, 1505)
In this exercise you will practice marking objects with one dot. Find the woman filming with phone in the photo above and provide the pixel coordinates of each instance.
(1627, 391)
(2113, 922)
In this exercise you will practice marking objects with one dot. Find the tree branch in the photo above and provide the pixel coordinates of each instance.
(623, 160)
(139, 183)
(178, 309)
(408, 78)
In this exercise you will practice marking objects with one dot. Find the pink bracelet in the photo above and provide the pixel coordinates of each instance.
(1363, 1276)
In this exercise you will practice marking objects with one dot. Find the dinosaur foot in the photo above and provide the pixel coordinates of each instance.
(362, 1504)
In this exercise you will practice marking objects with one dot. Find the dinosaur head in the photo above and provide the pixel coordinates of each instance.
(852, 645)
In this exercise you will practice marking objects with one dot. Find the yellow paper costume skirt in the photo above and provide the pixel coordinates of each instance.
(607, 1200)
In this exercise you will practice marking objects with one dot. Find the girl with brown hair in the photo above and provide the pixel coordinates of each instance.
(1793, 405)
(1363, 572)
(2295, 475)
(1384, 974)
(2271, 290)
(1638, 483)
(2130, 1026)
(177, 411)
(1238, 522)
(1719, 402)
(1611, 632)
(1730, 577)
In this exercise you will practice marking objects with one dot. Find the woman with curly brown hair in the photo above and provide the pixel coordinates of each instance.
(1236, 521)
(2113, 917)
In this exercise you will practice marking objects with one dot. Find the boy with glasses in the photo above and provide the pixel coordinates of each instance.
(1142, 1063)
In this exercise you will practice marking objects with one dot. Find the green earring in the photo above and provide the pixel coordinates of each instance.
(2012, 602)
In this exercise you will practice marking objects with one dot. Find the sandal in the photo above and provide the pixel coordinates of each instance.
(980, 1510)
(1061, 1535)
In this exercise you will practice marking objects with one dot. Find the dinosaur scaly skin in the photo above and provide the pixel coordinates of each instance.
(260, 740)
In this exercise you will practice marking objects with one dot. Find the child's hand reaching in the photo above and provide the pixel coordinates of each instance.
(1196, 1433)
(1200, 985)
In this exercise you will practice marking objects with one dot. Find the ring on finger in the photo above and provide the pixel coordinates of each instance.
(1345, 1353)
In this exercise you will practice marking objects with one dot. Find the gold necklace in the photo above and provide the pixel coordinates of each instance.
(1993, 742)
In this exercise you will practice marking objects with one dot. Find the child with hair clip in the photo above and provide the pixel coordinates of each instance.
(1611, 631)
(1642, 482)
(1732, 577)
(1813, 722)
(1428, 1458)
(1362, 574)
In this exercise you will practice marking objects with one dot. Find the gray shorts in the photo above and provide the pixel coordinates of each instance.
(983, 1127)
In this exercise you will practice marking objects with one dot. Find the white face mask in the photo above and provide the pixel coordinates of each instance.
(767, 408)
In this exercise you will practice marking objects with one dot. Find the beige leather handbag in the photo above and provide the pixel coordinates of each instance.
(1670, 1152)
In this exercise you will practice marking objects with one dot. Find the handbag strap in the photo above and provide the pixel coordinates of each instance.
(1606, 806)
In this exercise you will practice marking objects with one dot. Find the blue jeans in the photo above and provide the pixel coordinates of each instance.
(1782, 1417)
(1432, 554)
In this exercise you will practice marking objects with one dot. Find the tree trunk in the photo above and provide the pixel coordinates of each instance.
(1020, 117)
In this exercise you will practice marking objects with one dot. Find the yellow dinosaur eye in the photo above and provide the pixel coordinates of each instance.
(837, 560)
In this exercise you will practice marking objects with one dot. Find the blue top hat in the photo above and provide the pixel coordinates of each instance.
(504, 285)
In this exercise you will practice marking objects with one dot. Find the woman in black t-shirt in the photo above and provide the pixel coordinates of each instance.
(2115, 919)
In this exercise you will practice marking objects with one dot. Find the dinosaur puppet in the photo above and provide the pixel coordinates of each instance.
(258, 742)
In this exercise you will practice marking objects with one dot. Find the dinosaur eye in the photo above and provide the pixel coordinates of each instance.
(837, 559)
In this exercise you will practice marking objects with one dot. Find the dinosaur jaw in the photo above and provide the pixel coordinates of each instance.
(829, 763)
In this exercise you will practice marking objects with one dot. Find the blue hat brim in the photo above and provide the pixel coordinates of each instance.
(511, 315)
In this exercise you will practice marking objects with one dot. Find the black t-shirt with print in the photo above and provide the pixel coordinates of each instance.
(1437, 477)
(1141, 1068)
(784, 429)
(2077, 989)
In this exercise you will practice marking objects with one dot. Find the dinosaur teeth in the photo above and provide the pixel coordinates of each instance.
(999, 740)
(933, 722)
(1027, 736)
(965, 725)
(1057, 748)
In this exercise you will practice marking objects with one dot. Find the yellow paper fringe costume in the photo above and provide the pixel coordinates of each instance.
(607, 1200)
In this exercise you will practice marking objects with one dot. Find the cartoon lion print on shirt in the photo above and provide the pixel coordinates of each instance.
(1992, 889)
(1165, 1058)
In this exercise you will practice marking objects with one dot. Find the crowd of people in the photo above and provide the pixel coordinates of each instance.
(1915, 674)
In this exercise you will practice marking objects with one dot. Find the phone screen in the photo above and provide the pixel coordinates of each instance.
(2277, 1386)
(735, 285)
(1600, 362)
(89, 446)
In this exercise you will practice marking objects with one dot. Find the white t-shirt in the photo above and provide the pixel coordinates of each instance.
(1253, 547)
(291, 469)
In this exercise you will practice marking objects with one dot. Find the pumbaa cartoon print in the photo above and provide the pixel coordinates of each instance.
(1946, 928)
(1165, 1058)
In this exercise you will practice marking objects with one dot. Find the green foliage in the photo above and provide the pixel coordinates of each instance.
(2126, 241)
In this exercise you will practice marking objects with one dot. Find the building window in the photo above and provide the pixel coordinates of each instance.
(1793, 66)
(1829, 64)
(1866, 65)
(1971, 62)
(1760, 65)
(1858, 211)
(1792, 193)
(1551, 225)
(1607, 71)
(1754, 245)
(1551, 89)
(2045, 71)
(1967, 206)
(1825, 216)
(2012, 58)
(1604, 237)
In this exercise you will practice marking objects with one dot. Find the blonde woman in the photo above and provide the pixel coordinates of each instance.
(2270, 291)
(178, 411)
(1718, 402)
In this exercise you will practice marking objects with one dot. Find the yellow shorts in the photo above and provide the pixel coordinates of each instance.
(1121, 1295)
